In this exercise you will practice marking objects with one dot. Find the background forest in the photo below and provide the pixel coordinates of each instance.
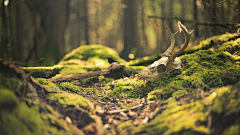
(41, 32)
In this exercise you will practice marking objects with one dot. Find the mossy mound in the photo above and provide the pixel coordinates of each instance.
(21, 119)
(232, 46)
(219, 109)
(208, 69)
(93, 53)
(16, 117)
(212, 43)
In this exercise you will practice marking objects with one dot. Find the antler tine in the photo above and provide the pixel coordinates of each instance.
(171, 35)
(187, 38)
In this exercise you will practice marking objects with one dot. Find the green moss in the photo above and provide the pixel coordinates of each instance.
(163, 93)
(25, 121)
(191, 117)
(179, 92)
(132, 88)
(74, 62)
(93, 53)
(8, 100)
(102, 79)
(49, 85)
(12, 84)
(207, 69)
(232, 47)
(66, 86)
(70, 100)
(232, 130)
(59, 123)
(124, 125)
(43, 72)
(217, 106)
(89, 91)
(212, 42)
(177, 119)
(72, 70)
(134, 69)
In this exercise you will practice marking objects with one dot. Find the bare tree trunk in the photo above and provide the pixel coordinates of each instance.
(130, 27)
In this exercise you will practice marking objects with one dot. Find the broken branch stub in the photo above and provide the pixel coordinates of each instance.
(167, 63)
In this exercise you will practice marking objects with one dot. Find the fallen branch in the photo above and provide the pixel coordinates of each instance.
(114, 71)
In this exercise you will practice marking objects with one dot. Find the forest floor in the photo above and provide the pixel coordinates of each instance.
(85, 94)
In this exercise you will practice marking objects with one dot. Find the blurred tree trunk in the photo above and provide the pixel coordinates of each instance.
(21, 31)
(183, 15)
(145, 41)
(97, 21)
(33, 29)
(130, 36)
(170, 13)
(3, 41)
(163, 45)
(195, 16)
(237, 12)
(159, 47)
(58, 24)
(85, 5)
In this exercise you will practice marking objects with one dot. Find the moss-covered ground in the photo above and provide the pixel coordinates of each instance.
(202, 99)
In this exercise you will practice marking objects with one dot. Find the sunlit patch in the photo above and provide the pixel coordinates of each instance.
(6, 2)
(100, 63)
(131, 56)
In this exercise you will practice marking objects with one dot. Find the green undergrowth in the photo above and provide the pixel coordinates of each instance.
(222, 107)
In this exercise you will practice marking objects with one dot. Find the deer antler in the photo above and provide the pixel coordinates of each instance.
(167, 63)
(187, 38)
(171, 35)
